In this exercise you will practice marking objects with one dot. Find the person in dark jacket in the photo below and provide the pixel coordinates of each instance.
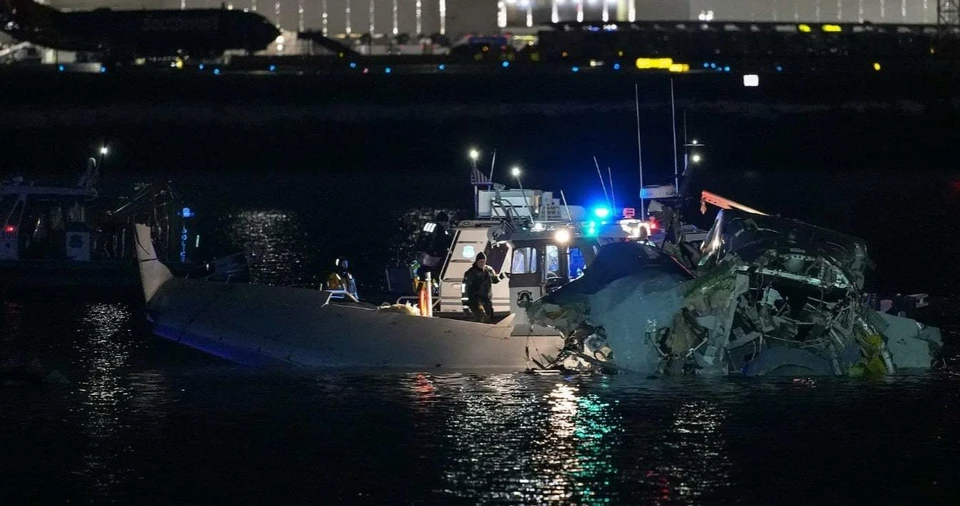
(478, 282)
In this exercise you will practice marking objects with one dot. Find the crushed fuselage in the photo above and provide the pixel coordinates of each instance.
(770, 296)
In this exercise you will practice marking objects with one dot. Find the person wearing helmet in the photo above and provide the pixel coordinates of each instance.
(478, 283)
(347, 282)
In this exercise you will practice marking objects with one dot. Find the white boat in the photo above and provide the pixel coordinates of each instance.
(272, 325)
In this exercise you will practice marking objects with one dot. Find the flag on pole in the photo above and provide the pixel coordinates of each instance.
(478, 178)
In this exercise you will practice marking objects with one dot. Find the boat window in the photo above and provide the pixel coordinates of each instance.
(576, 262)
(553, 260)
(524, 261)
(497, 255)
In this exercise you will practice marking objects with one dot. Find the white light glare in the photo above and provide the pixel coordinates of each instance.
(515, 171)
(751, 80)
(562, 236)
(104, 150)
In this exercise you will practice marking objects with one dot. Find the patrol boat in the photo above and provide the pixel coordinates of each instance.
(525, 234)
(540, 243)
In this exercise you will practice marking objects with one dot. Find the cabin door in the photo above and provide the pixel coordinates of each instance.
(527, 284)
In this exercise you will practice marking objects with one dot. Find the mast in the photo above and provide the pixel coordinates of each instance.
(673, 116)
(636, 96)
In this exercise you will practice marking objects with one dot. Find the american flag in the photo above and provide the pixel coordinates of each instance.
(479, 178)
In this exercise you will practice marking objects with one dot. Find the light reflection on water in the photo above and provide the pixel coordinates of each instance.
(143, 421)
(276, 245)
(103, 349)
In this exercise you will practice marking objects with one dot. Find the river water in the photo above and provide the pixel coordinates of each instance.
(145, 421)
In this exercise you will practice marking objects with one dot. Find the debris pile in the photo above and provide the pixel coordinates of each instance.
(769, 296)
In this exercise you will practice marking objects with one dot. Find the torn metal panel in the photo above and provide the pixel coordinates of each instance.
(771, 296)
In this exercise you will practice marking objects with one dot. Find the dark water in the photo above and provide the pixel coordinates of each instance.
(145, 421)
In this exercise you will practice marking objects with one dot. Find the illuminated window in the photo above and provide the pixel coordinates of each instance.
(553, 260)
(576, 263)
(524, 261)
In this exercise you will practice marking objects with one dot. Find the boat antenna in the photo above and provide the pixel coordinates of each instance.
(636, 97)
(613, 196)
(565, 206)
(602, 185)
(493, 162)
(676, 167)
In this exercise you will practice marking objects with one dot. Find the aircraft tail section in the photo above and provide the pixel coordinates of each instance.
(153, 274)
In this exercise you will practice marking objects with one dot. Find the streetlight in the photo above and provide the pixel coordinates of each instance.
(515, 171)
(696, 157)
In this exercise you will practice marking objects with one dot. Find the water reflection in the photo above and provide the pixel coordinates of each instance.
(103, 349)
(692, 459)
(276, 244)
(509, 442)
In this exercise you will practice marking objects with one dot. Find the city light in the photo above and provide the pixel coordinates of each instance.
(876, 66)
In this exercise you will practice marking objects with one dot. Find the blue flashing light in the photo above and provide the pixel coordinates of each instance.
(706, 65)
(616, 66)
(505, 64)
(60, 68)
(779, 68)
(575, 69)
(103, 70)
(216, 72)
(592, 229)
(442, 67)
(726, 69)
(601, 212)
(353, 65)
(713, 65)
(201, 66)
(186, 213)
(388, 70)
(272, 68)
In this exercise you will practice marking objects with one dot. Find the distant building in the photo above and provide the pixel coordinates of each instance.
(457, 17)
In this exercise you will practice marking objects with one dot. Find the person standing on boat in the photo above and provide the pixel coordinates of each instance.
(478, 283)
(347, 282)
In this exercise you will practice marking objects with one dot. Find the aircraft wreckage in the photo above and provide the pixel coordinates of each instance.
(767, 295)
(756, 295)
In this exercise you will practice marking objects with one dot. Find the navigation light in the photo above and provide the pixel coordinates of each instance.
(9, 229)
